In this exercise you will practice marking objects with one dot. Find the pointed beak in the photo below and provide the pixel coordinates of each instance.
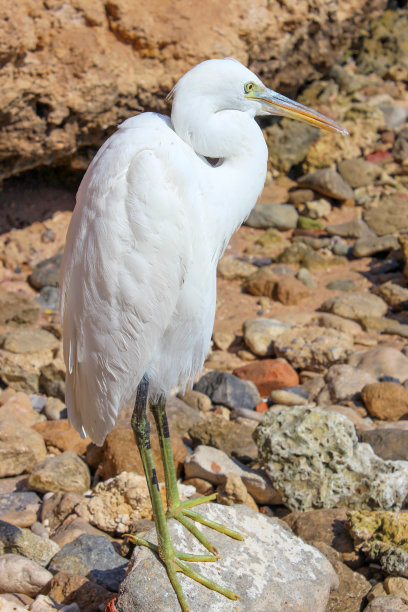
(276, 104)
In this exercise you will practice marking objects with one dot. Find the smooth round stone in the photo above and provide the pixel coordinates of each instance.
(46, 273)
(306, 278)
(29, 341)
(281, 216)
(341, 285)
(291, 396)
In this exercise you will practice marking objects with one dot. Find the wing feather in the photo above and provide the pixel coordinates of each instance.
(125, 260)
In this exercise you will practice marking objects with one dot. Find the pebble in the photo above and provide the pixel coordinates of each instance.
(367, 247)
(65, 472)
(55, 409)
(233, 438)
(323, 525)
(17, 309)
(228, 390)
(343, 383)
(269, 374)
(345, 285)
(281, 216)
(213, 465)
(29, 341)
(317, 209)
(358, 172)
(290, 396)
(20, 508)
(22, 575)
(332, 321)
(386, 401)
(306, 278)
(392, 585)
(66, 588)
(94, 557)
(313, 348)
(223, 340)
(231, 268)
(389, 603)
(23, 542)
(48, 299)
(20, 449)
(327, 182)
(356, 305)
(72, 528)
(198, 401)
(301, 196)
(259, 335)
(387, 443)
(381, 361)
(395, 295)
(390, 216)
(356, 228)
(60, 434)
(46, 273)
(313, 458)
(294, 574)
(233, 491)
(18, 409)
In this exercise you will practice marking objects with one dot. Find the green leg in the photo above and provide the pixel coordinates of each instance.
(173, 561)
(176, 508)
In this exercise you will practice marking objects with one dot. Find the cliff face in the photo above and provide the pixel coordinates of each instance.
(70, 71)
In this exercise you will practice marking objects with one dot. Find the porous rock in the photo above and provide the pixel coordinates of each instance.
(314, 460)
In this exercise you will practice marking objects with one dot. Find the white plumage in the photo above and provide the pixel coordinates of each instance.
(152, 218)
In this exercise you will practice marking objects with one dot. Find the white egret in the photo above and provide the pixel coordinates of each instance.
(138, 285)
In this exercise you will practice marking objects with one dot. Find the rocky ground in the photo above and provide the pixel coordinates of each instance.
(299, 422)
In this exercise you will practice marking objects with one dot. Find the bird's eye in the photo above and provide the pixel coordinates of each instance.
(249, 87)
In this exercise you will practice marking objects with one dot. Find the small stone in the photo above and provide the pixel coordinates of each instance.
(66, 588)
(94, 557)
(22, 371)
(18, 409)
(269, 374)
(313, 459)
(60, 434)
(398, 586)
(382, 536)
(387, 443)
(213, 465)
(329, 183)
(332, 321)
(313, 347)
(400, 148)
(281, 216)
(324, 525)
(233, 491)
(390, 216)
(381, 361)
(387, 604)
(259, 335)
(232, 268)
(344, 383)
(358, 172)
(345, 285)
(233, 438)
(20, 508)
(48, 299)
(395, 295)
(356, 228)
(223, 340)
(228, 390)
(23, 542)
(46, 273)
(290, 291)
(340, 247)
(29, 341)
(386, 401)
(72, 528)
(65, 472)
(21, 575)
(290, 396)
(355, 305)
(17, 309)
(300, 196)
(20, 449)
(57, 507)
(317, 209)
(116, 504)
(198, 401)
(221, 360)
(306, 223)
(303, 581)
(352, 414)
(306, 278)
(367, 247)
(55, 409)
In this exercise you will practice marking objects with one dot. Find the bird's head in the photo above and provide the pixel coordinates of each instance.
(225, 84)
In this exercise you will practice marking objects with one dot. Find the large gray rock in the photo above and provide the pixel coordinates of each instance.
(356, 306)
(272, 570)
(314, 460)
(228, 390)
(329, 183)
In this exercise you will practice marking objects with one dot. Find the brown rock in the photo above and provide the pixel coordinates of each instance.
(233, 491)
(130, 54)
(22, 371)
(18, 409)
(231, 437)
(20, 449)
(290, 291)
(203, 486)
(72, 529)
(61, 435)
(65, 472)
(68, 588)
(120, 453)
(58, 507)
(269, 374)
(387, 401)
(17, 309)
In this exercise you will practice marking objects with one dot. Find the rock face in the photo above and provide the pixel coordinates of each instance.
(272, 569)
(72, 71)
(314, 460)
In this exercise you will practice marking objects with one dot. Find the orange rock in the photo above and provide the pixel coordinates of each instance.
(387, 401)
(68, 588)
(261, 407)
(18, 409)
(269, 374)
(62, 436)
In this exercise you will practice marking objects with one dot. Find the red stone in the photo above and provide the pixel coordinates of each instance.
(261, 407)
(379, 157)
(268, 375)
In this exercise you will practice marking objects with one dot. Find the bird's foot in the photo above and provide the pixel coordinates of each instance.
(176, 562)
(180, 510)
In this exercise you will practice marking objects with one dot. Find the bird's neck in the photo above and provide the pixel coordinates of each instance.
(232, 187)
